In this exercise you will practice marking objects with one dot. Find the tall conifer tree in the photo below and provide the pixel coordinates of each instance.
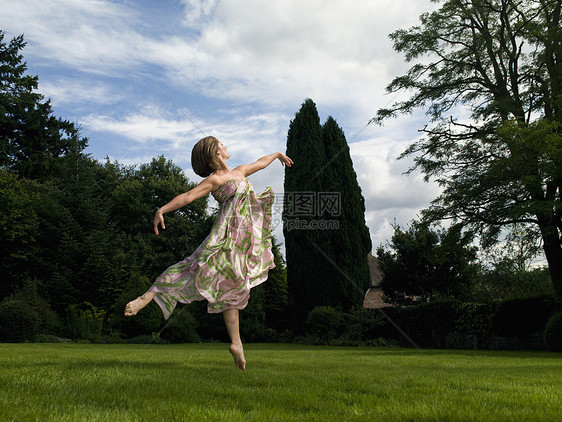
(326, 264)
(31, 138)
(305, 265)
(350, 242)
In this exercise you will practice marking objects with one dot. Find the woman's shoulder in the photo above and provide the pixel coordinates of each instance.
(239, 171)
(218, 180)
(214, 181)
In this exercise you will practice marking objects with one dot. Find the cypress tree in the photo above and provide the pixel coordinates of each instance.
(305, 265)
(348, 243)
(327, 255)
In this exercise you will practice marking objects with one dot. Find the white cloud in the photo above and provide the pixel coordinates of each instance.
(148, 125)
(197, 11)
(386, 188)
(273, 53)
(91, 35)
(77, 92)
(279, 53)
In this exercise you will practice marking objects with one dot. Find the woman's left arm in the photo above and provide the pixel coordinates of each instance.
(263, 162)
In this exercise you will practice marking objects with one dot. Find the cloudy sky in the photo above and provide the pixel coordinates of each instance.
(146, 78)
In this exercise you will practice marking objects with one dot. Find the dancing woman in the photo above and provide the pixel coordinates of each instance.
(235, 257)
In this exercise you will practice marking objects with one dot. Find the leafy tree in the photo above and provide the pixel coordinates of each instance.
(135, 199)
(422, 264)
(77, 253)
(76, 227)
(19, 224)
(502, 61)
(31, 138)
(276, 293)
(504, 280)
(509, 270)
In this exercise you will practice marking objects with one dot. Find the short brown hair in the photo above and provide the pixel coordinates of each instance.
(204, 156)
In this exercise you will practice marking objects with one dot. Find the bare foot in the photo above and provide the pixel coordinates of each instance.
(238, 354)
(136, 305)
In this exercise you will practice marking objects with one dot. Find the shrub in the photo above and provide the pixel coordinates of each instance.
(518, 317)
(252, 319)
(19, 322)
(181, 327)
(286, 336)
(362, 324)
(210, 327)
(553, 333)
(84, 324)
(148, 320)
(28, 315)
(49, 338)
(112, 338)
(325, 322)
(271, 335)
(475, 319)
(428, 324)
(143, 339)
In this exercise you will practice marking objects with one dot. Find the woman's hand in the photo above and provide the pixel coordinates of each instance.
(286, 161)
(158, 220)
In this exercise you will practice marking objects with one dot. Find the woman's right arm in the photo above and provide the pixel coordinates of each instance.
(201, 190)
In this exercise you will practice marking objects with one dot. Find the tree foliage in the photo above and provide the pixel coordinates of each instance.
(422, 264)
(31, 138)
(502, 62)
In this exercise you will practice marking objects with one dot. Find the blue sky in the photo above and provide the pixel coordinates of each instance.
(146, 78)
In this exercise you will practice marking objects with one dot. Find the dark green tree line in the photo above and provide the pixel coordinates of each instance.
(502, 61)
(350, 243)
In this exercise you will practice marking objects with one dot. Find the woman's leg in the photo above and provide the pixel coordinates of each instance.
(231, 319)
(140, 302)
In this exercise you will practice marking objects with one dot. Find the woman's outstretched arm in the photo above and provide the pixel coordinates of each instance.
(184, 199)
(263, 162)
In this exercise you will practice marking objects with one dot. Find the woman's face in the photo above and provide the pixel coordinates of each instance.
(223, 151)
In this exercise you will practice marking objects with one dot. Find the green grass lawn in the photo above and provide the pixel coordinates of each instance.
(71, 382)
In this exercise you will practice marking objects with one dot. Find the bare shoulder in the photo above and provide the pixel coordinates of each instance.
(240, 170)
(211, 182)
(208, 184)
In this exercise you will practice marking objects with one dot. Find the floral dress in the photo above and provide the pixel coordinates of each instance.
(234, 257)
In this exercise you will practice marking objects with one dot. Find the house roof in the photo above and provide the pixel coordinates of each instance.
(374, 296)
(374, 299)
(375, 275)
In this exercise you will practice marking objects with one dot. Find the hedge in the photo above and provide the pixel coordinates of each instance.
(441, 324)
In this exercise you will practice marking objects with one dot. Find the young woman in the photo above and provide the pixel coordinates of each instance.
(234, 257)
